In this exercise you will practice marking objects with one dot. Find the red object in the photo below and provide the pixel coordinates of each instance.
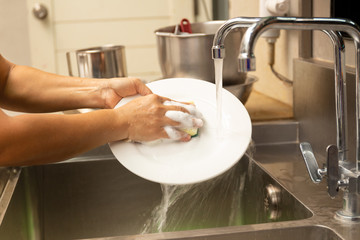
(185, 26)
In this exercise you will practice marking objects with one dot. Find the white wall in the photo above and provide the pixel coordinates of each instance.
(14, 39)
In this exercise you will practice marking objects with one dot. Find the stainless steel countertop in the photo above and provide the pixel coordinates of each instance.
(8, 180)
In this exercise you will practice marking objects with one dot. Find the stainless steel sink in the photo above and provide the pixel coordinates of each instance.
(96, 199)
(8, 180)
(294, 233)
(301, 233)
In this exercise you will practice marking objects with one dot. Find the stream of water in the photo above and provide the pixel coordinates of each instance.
(218, 64)
(213, 203)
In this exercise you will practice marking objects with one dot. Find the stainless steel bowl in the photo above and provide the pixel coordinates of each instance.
(189, 55)
(106, 61)
(242, 91)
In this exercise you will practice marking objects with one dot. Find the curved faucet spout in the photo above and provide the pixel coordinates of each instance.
(246, 54)
(218, 49)
(332, 27)
(327, 25)
(247, 60)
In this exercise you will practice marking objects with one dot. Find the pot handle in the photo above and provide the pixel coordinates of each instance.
(185, 26)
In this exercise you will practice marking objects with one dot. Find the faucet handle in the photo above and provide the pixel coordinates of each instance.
(331, 169)
(332, 163)
(315, 173)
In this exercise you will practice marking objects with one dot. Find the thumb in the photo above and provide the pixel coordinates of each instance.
(141, 88)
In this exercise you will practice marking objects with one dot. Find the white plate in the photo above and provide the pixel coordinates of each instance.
(204, 156)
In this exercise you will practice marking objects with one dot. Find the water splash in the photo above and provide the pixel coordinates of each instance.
(170, 195)
(213, 203)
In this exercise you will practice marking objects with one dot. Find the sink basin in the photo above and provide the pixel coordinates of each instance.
(306, 232)
(97, 199)
(317, 232)
(8, 180)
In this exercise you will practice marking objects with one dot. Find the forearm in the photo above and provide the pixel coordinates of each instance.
(31, 90)
(43, 138)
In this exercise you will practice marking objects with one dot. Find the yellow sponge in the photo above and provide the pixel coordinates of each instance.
(193, 132)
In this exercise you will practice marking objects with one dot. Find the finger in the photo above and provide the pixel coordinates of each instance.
(186, 120)
(174, 107)
(165, 100)
(177, 108)
(191, 108)
(179, 102)
(175, 134)
(185, 138)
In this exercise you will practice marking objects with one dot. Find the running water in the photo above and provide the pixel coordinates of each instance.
(218, 64)
(213, 203)
(158, 219)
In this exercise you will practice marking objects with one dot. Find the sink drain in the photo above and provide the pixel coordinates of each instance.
(272, 201)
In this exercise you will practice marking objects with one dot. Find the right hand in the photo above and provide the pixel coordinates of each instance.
(146, 118)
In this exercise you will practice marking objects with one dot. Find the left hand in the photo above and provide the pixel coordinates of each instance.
(118, 88)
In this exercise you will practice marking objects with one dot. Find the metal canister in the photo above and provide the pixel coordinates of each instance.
(106, 61)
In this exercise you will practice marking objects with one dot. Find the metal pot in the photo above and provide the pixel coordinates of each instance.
(99, 62)
(189, 55)
(242, 90)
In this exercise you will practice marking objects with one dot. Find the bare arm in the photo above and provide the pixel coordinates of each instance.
(42, 138)
(31, 90)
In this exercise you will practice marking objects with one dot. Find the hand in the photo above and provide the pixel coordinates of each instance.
(146, 118)
(118, 88)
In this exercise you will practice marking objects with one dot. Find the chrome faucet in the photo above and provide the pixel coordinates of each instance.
(218, 49)
(339, 171)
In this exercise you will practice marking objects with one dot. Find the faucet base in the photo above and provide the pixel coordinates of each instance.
(344, 216)
(351, 207)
